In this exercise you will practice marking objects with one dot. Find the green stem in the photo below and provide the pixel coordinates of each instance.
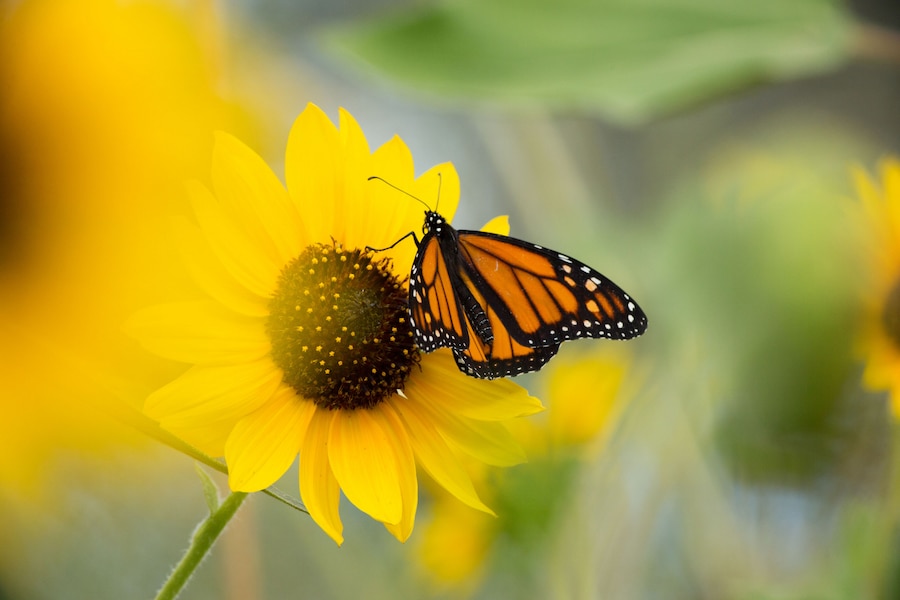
(201, 544)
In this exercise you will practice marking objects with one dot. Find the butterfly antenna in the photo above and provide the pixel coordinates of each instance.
(417, 199)
(438, 203)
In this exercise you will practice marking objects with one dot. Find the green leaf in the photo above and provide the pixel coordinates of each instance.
(210, 491)
(627, 59)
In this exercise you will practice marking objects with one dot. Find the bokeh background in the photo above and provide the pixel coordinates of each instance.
(699, 152)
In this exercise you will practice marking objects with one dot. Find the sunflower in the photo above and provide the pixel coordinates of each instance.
(304, 345)
(880, 340)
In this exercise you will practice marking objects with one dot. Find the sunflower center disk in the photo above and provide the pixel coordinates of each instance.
(339, 328)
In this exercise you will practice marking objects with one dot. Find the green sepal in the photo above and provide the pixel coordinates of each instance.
(210, 491)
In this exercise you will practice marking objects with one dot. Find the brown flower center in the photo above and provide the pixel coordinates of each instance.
(339, 328)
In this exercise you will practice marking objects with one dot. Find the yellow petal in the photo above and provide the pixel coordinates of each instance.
(351, 134)
(409, 490)
(409, 487)
(433, 454)
(393, 213)
(319, 489)
(440, 382)
(498, 225)
(312, 169)
(354, 214)
(370, 455)
(264, 444)
(199, 332)
(882, 368)
(205, 393)
(440, 182)
(209, 437)
(210, 274)
(890, 169)
(393, 162)
(489, 442)
(248, 189)
(890, 173)
(246, 262)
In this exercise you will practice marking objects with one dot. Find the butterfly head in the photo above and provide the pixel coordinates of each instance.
(433, 222)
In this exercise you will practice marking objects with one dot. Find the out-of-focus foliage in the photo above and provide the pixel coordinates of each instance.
(627, 60)
(767, 267)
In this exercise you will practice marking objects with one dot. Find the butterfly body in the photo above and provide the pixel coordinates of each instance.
(503, 305)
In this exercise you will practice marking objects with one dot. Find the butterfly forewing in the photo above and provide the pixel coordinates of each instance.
(434, 307)
(544, 297)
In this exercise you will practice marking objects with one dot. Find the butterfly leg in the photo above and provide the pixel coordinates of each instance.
(411, 233)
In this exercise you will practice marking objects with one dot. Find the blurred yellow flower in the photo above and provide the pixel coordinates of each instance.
(105, 108)
(586, 398)
(469, 533)
(304, 345)
(880, 340)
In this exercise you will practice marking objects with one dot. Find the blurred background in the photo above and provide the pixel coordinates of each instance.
(705, 154)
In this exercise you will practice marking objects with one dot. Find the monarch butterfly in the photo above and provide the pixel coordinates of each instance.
(504, 305)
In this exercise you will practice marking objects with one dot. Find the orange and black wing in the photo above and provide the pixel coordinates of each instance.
(540, 297)
(492, 351)
(446, 310)
(504, 305)
(435, 311)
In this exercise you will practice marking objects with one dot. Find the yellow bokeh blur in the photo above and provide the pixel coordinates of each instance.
(106, 108)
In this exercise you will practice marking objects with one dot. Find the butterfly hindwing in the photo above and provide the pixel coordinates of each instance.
(501, 356)
(489, 367)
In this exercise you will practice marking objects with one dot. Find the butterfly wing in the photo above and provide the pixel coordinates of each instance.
(542, 297)
(502, 356)
(446, 309)
(437, 317)
(504, 305)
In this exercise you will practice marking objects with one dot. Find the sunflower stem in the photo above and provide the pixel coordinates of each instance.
(201, 544)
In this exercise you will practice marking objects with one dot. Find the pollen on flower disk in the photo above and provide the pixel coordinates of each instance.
(339, 328)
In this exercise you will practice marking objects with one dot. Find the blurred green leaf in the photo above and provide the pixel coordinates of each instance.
(762, 272)
(529, 498)
(628, 59)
